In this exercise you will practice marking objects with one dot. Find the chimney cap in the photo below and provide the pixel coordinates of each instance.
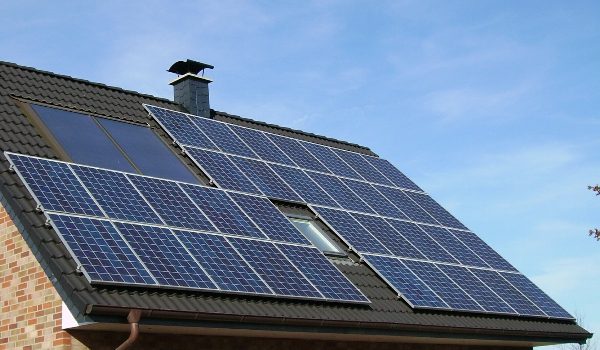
(189, 66)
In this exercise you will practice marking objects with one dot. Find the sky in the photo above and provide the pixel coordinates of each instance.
(489, 106)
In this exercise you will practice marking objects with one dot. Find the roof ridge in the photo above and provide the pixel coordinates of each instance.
(64, 76)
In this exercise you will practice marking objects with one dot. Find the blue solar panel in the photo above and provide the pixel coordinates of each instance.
(536, 295)
(328, 158)
(388, 236)
(54, 185)
(297, 153)
(222, 211)
(364, 168)
(223, 137)
(323, 275)
(476, 289)
(303, 185)
(404, 203)
(261, 145)
(165, 257)
(219, 168)
(374, 199)
(171, 203)
(484, 251)
(265, 179)
(351, 231)
(270, 220)
(116, 195)
(455, 247)
(393, 174)
(270, 264)
(405, 282)
(100, 250)
(436, 210)
(507, 292)
(444, 287)
(422, 240)
(180, 127)
(224, 265)
(340, 192)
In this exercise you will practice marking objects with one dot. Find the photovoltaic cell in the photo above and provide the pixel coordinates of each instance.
(265, 179)
(270, 220)
(323, 275)
(100, 250)
(374, 199)
(392, 173)
(436, 210)
(340, 192)
(405, 282)
(222, 171)
(303, 185)
(476, 289)
(388, 236)
(364, 168)
(164, 256)
(171, 203)
(180, 127)
(116, 195)
(406, 205)
(536, 295)
(455, 247)
(224, 265)
(222, 211)
(484, 251)
(351, 231)
(55, 186)
(261, 145)
(328, 158)
(223, 137)
(422, 240)
(277, 271)
(297, 153)
(444, 287)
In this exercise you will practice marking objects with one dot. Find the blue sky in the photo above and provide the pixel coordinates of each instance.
(489, 106)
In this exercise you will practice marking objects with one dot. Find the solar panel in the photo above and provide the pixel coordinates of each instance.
(391, 173)
(364, 168)
(444, 287)
(303, 185)
(429, 247)
(328, 158)
(340, 192)
(270, 220)
(350, 231)
(223, 137)
(222, 211)
(297, 153)
(536, 295)
(116, 195)
(436, 210)
(405, 283)
(274, 268)
(224, 265)
(221, 170)
(165, 257)
(323, 275)
(388, 236)
(374, 199)
(54, 185)
(455, 247)
(476, 289)
(261, 145)
(406, 205)
(265, 179)
(180, 127)
(171, 203)
(484, 251)
(100, 250)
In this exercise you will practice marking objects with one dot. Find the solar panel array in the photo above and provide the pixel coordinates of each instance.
(424, 253)
(127, 229)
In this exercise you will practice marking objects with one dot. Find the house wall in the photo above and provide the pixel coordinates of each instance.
(30, 316)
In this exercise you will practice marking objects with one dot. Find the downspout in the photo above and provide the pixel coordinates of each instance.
(133, 318)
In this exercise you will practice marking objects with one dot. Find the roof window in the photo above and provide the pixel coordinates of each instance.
(314, 234)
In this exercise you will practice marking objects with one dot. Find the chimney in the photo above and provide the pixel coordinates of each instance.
(191, 89)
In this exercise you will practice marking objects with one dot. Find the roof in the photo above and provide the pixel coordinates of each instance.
(386, 313)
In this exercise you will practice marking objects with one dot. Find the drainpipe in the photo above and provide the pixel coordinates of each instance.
(133, 318)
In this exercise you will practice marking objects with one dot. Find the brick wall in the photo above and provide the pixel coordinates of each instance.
(30, 316)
